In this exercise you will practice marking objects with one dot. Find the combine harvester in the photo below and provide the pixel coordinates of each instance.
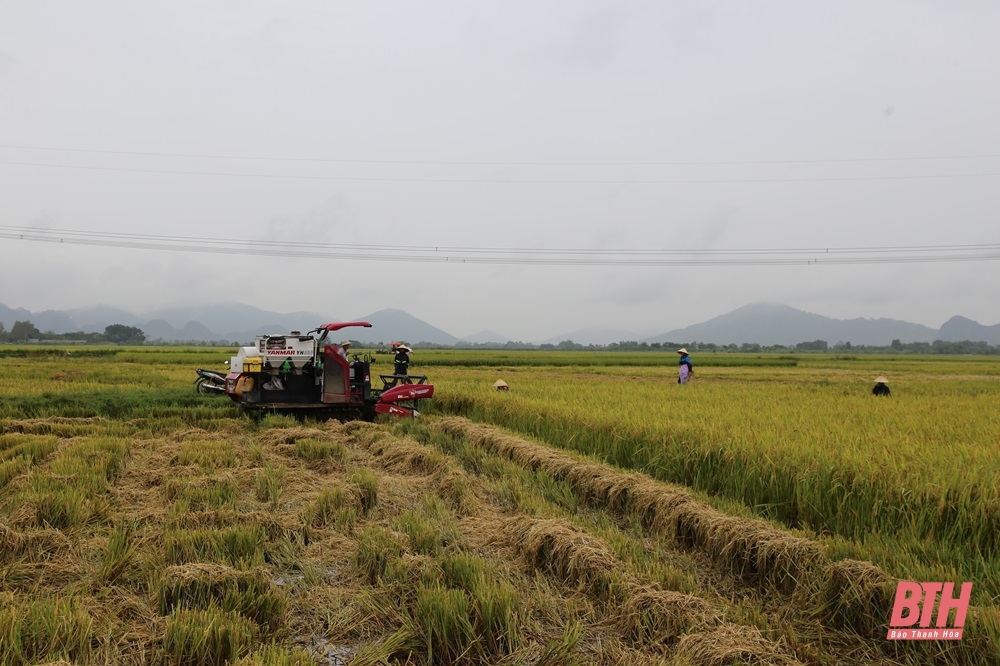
(306, 375)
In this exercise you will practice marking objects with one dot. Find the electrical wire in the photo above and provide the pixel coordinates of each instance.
(537, 181)
(271, 158)
(438, 248)
(515, 256)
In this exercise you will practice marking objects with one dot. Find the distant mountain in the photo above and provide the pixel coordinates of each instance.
(762, 323)
(52, 320)
(193, 331)
(232, 321)
(157, 329)
(387, 325)
(390, 324)
(96, 318)
(957, 329)
(10, 315)
(772, 324)
(485, 337)
(89, 320)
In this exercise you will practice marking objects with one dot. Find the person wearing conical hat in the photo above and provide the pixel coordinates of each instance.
(685, 369)
(881, 386)
(401, 363)
(501, 385)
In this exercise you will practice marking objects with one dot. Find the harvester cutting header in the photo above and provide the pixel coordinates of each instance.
(309, 374)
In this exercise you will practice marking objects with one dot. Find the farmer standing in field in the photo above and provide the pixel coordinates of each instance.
(402, 363)
(685, 370)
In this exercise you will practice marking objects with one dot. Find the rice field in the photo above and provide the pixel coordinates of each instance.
(596, 514)
(912, 481)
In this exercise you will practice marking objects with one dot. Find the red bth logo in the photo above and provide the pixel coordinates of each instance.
(914, 605)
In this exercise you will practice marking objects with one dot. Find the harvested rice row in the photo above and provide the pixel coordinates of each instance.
(644, 614)
(844, 595)
(751, 549)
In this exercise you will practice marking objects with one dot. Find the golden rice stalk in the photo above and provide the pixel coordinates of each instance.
(288, 436)
(651, 615)
(409, 457)
(733, 645)
(856, 595)
(557, 546)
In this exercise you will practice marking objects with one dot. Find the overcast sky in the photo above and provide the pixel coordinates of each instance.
(478, 126)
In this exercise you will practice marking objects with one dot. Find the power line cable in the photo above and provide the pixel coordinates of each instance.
(62, 233)
(510, 256)
(538, 181)
(272, 158)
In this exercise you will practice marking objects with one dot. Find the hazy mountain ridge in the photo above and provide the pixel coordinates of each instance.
(770, 324)
(486, 337)
(762, 323)
(392, 324)
(961, 328)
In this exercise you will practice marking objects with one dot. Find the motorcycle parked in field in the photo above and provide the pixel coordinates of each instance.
(210, 382)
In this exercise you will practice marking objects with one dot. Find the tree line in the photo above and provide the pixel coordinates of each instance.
(807, 346)
(25, 331)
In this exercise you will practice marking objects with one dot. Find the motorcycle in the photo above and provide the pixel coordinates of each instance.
(210, 382)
